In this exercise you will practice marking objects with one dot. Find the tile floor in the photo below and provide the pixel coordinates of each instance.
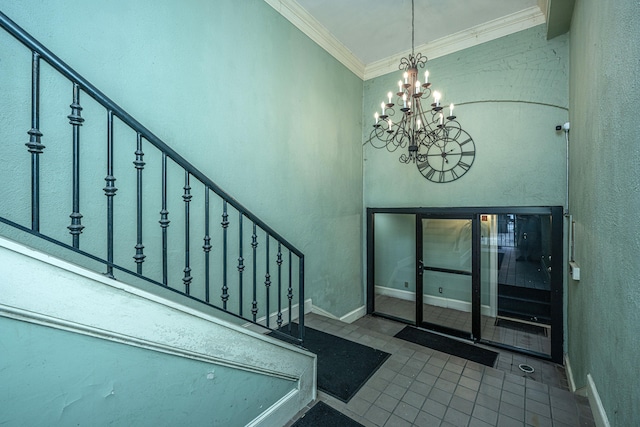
(418, 386)
(461, 320)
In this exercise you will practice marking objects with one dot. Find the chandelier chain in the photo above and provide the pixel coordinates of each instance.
(412, 27)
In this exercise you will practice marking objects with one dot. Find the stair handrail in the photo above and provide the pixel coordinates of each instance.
(31, 43)
(41, 52)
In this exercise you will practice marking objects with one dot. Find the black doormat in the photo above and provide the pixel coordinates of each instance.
(448, 345)
(521, 326)
(343, 366)
(323, 415)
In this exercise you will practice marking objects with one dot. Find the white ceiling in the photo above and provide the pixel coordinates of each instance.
(371, 33)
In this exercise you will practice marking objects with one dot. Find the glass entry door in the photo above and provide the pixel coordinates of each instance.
(445, 271)
(520, 249)
(490, 275)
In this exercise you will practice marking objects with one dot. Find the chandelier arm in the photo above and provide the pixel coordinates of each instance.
(422, 129)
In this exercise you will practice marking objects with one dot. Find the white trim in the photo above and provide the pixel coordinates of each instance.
(599, 414)
(485, 310)
(395, 293)
(350, 317)
(354, 315)
(41, 289)
(569, 372)
(305, 22)
(310, 26)
(474, 36)
(271, 417)
(324, 313)
(44, 320)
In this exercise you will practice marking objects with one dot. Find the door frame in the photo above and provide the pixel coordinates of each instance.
(475, 275)
(557, 265)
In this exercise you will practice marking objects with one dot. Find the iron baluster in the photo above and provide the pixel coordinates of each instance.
(225, 225)
(139, 165)
(187, 199)
(301, 298)
(76, 227)
(279, 262)
(290, 293)
(75, 120)
(34, 145)
(240, 265)
(164, 219)
(267, 279)
(207, 244)
(110, 191)
(254, 246)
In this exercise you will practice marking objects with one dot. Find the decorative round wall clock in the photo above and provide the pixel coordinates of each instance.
(447, 158)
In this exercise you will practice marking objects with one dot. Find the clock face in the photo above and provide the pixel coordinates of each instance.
(448, 158)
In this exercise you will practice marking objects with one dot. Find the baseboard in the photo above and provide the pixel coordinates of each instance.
(589, 391)
(432, 300)
(354, 315)
(569, 372)
(599, 414)
(350, 317)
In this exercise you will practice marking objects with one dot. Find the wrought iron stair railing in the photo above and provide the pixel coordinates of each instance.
(276, 267)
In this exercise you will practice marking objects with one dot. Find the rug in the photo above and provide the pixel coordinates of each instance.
(343, 366)
(323, 415)
(448, 345)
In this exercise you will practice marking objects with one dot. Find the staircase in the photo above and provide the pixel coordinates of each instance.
(114, 241)
(153, 219)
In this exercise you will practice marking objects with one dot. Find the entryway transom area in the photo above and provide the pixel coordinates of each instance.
(489, 274)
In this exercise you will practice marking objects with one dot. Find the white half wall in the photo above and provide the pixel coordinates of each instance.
(41, 289)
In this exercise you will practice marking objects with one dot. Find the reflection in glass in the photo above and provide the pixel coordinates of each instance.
(447, 281)
(395, 265)
(521, 248)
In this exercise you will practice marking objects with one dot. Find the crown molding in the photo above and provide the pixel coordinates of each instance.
(310, 26)
(474, 36)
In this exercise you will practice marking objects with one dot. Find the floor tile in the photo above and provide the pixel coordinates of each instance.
(406, 411)
(386, 402)
(418, 386)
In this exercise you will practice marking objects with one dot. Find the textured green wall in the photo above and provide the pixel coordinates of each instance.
(235, 89)
(62, 378)
(604, 306)
(516, 88)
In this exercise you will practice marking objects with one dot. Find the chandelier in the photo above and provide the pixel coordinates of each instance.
(414, 119)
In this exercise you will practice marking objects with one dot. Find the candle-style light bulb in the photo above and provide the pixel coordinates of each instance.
(404, 99)
(418, 123)
(426, 77)
(399, 85)
(382, 106)
(406, 76)
(390, 124)
(376, 115)
(389, 95)
(441, 119)
(436, 97)
(451, 110)
(417, 86)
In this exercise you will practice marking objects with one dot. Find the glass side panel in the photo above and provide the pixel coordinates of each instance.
(516, 255)
(395, 265)
(447, 281)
